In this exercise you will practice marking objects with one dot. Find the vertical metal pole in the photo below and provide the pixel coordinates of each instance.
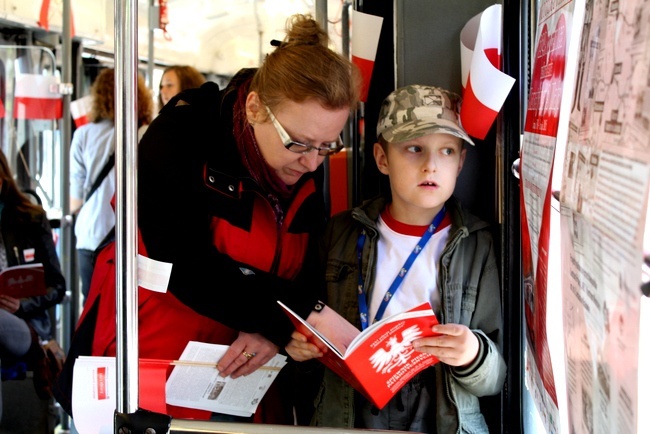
(154, 18)
(321, 13)
(351, 146)
(68, 308)
(126, 51)
(321, 19)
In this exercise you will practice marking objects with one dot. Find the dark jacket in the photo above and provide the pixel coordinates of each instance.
(199, 209)
(469, 294)
(21, 232)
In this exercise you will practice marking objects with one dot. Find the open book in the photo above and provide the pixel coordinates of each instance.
(193, 383)
(196, 383)
(380, 360)
(22, 281)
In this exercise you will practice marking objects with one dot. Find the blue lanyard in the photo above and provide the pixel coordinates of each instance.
(361, 293)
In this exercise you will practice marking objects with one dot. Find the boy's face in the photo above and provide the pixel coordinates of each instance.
(422, 174)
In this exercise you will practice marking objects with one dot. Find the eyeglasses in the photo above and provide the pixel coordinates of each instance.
(301, 148)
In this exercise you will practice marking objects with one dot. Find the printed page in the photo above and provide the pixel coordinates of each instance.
(543, 146)
(200, 386)
(604, 206)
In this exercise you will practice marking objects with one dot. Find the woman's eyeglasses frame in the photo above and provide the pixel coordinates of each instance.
(302, 148)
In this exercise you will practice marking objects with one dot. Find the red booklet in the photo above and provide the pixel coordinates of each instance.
(380, 360)
(22, 281)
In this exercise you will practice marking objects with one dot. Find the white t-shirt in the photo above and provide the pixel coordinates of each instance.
(396, 242)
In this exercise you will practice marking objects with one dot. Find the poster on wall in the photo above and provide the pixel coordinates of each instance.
(604, 200)
(545, 130)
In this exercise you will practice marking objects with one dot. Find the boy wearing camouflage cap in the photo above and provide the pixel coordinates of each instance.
(420, 147)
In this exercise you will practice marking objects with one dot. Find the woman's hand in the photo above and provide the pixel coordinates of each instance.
(9, 304)
(456, 345)
(246, 354)
(300, 350)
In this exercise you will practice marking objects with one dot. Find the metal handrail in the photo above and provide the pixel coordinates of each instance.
(195, 426)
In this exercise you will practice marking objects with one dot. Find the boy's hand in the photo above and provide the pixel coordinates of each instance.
(334, 327)
(456, 345)
(247, 353)
(300, 350)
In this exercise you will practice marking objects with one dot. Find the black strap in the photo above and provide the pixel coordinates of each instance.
(107, 168)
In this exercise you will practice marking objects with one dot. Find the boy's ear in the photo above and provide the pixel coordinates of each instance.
(254, 108)
(380, 158)
(463, 154)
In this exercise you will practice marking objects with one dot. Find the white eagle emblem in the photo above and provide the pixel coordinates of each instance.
(397, 352)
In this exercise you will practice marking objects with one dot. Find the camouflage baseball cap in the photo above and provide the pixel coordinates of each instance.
(414, 111)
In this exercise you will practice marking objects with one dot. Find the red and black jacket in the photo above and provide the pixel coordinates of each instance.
(199, 209)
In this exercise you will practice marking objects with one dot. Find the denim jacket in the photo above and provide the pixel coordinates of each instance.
(469, 288)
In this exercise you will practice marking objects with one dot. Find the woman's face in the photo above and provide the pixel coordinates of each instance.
(306, 122)
(170, 85)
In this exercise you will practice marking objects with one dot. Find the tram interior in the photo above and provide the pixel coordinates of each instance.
(220, 37)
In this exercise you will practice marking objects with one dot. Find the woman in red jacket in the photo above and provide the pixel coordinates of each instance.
(230, 193)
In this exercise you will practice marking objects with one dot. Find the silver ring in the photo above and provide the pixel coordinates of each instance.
(248, 355)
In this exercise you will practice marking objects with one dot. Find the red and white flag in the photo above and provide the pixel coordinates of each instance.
(485, 87)
(365, 39)
(34, 98)
(80, 108)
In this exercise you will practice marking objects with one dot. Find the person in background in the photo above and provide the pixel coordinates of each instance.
(175, 79)
(230, 193)
(93, 145)
(421, 150)
(26, 238)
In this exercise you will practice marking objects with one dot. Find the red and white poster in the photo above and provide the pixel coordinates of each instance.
(606, 179)
(543, 143)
